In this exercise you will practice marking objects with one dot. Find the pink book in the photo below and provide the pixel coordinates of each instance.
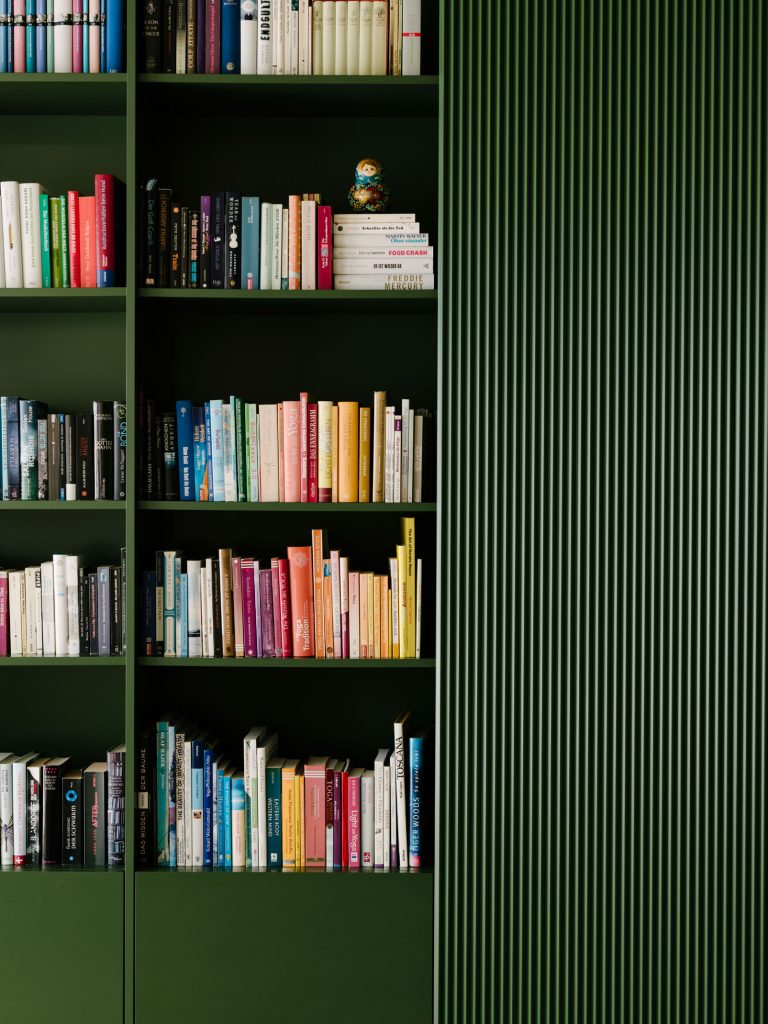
(213, 37)
(4, 615)
(237, 607)
(314, 813)
(77, 40)
(19, 34)
(105, 221)
(94, 40)
(304, 444)
(353, 819)
(344, 588)
(312, 452)
(88, 241)
(249, 607)
(280, 453)
(324, 249)
(73, 227)
(277, 627)
(286, 641)
(292, 450)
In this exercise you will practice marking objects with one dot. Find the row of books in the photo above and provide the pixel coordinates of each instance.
(67, 36)
(199, 808)
(64, 241)
(56, 456)
(63, 609)
(53, 814)
(292, 451)
(308, 604)
(381, 251)
(282, 37)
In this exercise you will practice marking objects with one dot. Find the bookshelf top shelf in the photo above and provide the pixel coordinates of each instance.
(22, 94)
(299, 95)
(308, 301)
(62, 300)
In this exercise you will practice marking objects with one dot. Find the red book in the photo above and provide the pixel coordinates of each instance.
(314, 812)
(324, 248)
(213, 37)
(4, 615)
(312, 452)
(302, 613)
(73, 227)
(277, 627)
(88, 241)
(247, 570)
(105, 220)
(285, 607)
(304, 444)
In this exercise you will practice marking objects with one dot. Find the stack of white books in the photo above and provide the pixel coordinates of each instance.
(381, 251)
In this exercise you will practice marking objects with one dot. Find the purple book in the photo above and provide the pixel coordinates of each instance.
(205, 242)
(267, 620)
(337, 819)
(213, 37)
(257, 608)
(249, 609)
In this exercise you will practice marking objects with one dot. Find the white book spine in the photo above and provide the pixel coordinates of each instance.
(389, 447)
(411, 453)
(6, 815)
(384, 282)
(253, 454)
(277, 246)
(418, 456)
(19, 813)
(169, 604)
(61, 617)
(195, 643)
(410, 60)
(31, 255)
(374, 218)
(73, 614)
(2, 249)
(278, 49)
(284, 250)
(268, 453)
(230, 493)
(180, 625)
(308, 244)
(354, 615)
(188, 855)
(367, 807)
(203, 611)
(30, 635)
(261, 805)
(380, 253)
(292, 58)
(344, 597)
(375, 230)
(9, 193)
(366, 36)
(15, 618)
(378, 813)
(265, 246)
(340, 38)
(402, 494)
(393, 846)
(249, 38)
(62, 36)
(344, 264)
(209, 607)
(418, 607)
(387, 818)
(353, 37)
(38, 609)
(317, 40)
(49, 622)
(400, 787)
(264, 63)
(371, 243)
(329, 37)
(395, 603)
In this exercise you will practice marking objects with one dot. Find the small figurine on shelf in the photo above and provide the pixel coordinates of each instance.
(369, 194)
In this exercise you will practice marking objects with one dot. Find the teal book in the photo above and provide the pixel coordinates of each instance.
(162, 794)
(226, 791)
(45, 240)
(251, 228)
(274, 813)
(64, 237)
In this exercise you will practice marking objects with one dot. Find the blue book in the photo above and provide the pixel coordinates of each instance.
(171, 795)
(217, 447)
(249, 265)
(416, 793)
(4, 445)
(226, 790)
(115, 36)
(45, 240)
(41, 36)
(208, 450)
(103, 36)
(162, 794)
(230, 37)
(199, 452)
(220, 815)
(29, 35)
(11, 450)
(197, 803)
(5, 31)
(274, 813)
(62, 435)
(184, 606)
(208, 807)
(184, 448)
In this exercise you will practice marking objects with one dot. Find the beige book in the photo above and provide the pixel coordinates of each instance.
(366, 36)
(379, 37)
(329, 37)
(316, 36)
(340, 37)
(353, 37)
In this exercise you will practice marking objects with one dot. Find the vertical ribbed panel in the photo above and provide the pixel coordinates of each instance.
(602, 652)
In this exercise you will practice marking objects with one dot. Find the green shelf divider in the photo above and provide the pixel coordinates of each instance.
(62, 300)
(51, 94)
(69, 663)
(63, 506)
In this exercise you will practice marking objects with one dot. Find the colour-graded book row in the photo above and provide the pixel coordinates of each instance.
(229, 240)
(56, 456)
(293, 451)
(381, 251)
(306, 604)
(58, 241)
(54, 814)
(199, 807)
(63, 609)
(66, 36)
(282, 37)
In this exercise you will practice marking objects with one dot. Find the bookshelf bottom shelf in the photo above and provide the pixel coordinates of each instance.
(283, 949)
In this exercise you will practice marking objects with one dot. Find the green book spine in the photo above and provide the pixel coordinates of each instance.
(240, 432)
(55, 230)
(64, 241)
(45, 241)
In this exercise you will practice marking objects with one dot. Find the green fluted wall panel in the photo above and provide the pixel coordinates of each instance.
(602, 652)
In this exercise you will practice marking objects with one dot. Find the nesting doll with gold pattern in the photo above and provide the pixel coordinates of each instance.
(369, 194)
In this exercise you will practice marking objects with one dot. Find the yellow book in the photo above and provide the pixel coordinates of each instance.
(389, 622)
(324, 451)
(364, 455)
(289, 813)
(299, 803)
(371, 616)
(349, 468)
(402, 611)
(335, 453)
(376, 617)
(409, 541)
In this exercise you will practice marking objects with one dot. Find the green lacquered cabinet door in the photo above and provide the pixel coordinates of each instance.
(283, 948)
(61, 946)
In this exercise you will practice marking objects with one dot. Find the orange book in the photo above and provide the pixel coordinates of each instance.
(349, 469)
(335, 454)
(294, 243)
(280, 454)
(364, 456)
(88, 241)
(384, 617)
(328, 607)
(376, 617)
(318, 545)
(291, 451)
(300, 589)
(390, 652)
(363, 602)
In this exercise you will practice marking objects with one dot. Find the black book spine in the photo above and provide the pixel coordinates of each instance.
(164, 202)
(149, 232)
(184, 249)
(152, 46)
(168, 38)
(194, 247)
(53, 458)
(145, 843)
(34, 818)
(71, 821)
(148, 584)
(148, 476)
(103, 449)
(62, 457)
(13, 452)
(218, 647)
(218, 227)
(159, 581)
(123, 599)
(93, 613)
(104, 599)
(115, 603)
(158, 459)
(120, 450)
(116, 808)
(51, 817)
(85, 456)
(175, 246)
(42, 452)
(94, 815)
(170, 458)
(84, 612)
(233, 235)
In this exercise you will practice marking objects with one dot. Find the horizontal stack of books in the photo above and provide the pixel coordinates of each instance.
(283, 37)
(199, 808)
(293, 451)
(56, 456)
(65, 241)
(53, 814)
(62, 609)
(306, 604)
(386, 251)
(67, 36)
